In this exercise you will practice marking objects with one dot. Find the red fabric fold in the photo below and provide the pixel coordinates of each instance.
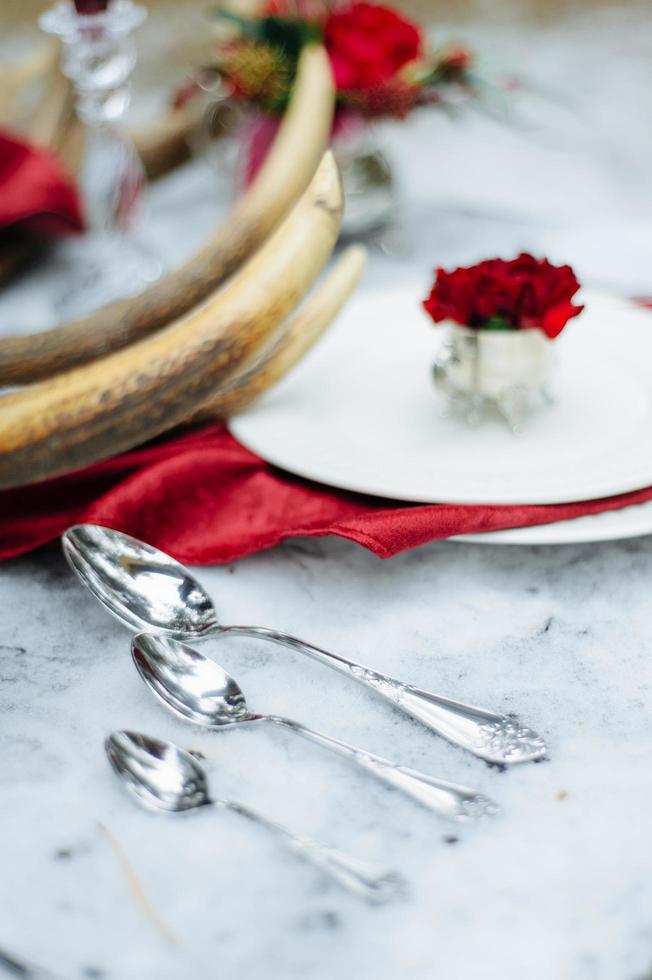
(206, 499)
(35, 194)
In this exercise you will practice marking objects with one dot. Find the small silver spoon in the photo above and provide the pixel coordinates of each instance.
(200, 691)
(163, 776)
(145, 589)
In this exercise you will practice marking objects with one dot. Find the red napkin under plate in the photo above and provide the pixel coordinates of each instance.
(205, 499)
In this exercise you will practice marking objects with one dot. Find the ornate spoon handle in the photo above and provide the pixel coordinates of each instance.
(362, 879)
(500, 739)
(444, 798)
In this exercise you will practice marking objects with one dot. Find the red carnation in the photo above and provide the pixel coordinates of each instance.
(368, 44)
(519, 294)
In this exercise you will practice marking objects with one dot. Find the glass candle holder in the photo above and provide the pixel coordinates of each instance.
(99, 55)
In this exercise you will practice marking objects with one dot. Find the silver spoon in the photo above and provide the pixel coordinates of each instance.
(145, 589)
(163, 776)
(200, 691)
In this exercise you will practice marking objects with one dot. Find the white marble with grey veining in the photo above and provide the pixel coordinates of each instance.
(561, 885)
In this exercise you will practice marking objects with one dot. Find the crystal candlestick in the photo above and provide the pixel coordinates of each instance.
(98, 55)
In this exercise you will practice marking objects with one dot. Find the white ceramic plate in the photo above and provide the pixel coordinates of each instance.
(360, 413)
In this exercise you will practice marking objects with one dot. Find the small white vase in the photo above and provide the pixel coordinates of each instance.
(481, 371)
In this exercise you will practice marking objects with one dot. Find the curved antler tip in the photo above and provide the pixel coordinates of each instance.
(327, 186)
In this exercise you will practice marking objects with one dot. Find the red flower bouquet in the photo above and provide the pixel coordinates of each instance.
(382, 67)
(520, 294)
(380, 60)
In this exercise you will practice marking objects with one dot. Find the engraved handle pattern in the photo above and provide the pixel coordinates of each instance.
(446, 799)
(364, 880)
(499, 739)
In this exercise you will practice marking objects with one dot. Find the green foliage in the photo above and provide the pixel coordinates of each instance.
(287, 36)
(497, 323)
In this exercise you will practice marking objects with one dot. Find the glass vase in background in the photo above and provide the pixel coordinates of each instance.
(235, 138)
(98, 55)
(368, 182)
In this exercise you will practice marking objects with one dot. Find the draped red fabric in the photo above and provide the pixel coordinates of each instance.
(36, 195)
(206, 499)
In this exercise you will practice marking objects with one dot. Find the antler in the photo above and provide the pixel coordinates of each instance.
(291, 342)
(288, 168)
(121, 400)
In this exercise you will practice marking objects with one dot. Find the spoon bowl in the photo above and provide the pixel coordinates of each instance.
(161, 775)
(193, 686)
(141, 586)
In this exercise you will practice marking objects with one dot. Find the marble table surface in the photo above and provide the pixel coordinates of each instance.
(560, 885)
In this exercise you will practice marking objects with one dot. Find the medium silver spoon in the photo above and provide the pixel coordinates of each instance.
(200, 691)
(163, 776)
(145, 589)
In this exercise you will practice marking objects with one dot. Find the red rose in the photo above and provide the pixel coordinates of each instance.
(368, 44)
(519, 294)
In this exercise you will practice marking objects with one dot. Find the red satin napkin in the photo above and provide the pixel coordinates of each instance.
(35, 194)
(206, 499)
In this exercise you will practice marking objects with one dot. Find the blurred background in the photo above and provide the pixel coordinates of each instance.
(17, 10)
(561, 167)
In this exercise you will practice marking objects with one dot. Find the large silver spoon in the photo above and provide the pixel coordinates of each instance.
(163, 776)
(200, 691)
(145, 589)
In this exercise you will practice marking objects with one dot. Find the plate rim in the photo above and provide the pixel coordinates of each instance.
(559, 533)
